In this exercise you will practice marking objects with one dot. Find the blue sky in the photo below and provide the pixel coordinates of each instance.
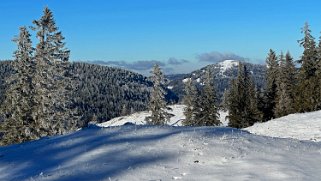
(134, 32)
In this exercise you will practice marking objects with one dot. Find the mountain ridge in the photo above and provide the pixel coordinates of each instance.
(223, 73)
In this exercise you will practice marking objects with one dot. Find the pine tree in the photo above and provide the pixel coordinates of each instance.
(308, 84)
(207, 114)
(242, 100)
(271, 86)
(157, 104)
(18, 124)
(52, 79)
(285, 86)
(190, 100)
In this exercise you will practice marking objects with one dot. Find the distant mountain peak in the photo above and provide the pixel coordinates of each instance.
(223, 73)
(227, 64)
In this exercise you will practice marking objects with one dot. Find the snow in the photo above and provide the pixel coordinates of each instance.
(304, 126)
(161, 153)
(198, 80)
(223, 118)
(139, 152)
(186, 79)
(227, 64)
(138, 118)
(170, 87)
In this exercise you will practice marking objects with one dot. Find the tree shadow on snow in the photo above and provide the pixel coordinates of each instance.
(89, 154)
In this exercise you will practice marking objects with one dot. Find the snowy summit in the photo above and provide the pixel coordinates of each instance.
(227, 64)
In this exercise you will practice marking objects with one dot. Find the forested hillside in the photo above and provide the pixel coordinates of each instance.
(103, 92)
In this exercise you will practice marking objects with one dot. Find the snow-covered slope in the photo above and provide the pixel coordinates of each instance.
(139, 118)
(227, 64)
(305, 126)
(161, 153)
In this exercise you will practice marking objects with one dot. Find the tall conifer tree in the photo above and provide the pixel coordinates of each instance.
(190, 100)
(157, 104)
(19, 124)
(318, 74)
(52, 85)
(242, 100)
(308, 84)
(207, 114)
(285, 86)
(271, 86)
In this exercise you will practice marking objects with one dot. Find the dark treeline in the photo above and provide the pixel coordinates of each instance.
(287, 90)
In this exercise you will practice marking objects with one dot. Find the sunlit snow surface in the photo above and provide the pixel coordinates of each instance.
(305, 126)
(227, 64)
(139, 118)
(161, 153)
(138, 152)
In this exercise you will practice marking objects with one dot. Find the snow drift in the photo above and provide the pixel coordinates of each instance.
(304, 126)
(113, 151)
(161, 153)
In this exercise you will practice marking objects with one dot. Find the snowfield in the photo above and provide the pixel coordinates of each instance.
(161, 153)
(112, 151)
(304, 126)
(139, 118)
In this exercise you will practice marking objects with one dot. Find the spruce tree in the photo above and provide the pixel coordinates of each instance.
(16, 109)
(255, 115)
(318, 75)
(157, 104)
(52, 80)
(285, 86)
(308, 84)
(233, 103)
(190, 101)
(271, 86)
(242, 100)
(207, 114)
